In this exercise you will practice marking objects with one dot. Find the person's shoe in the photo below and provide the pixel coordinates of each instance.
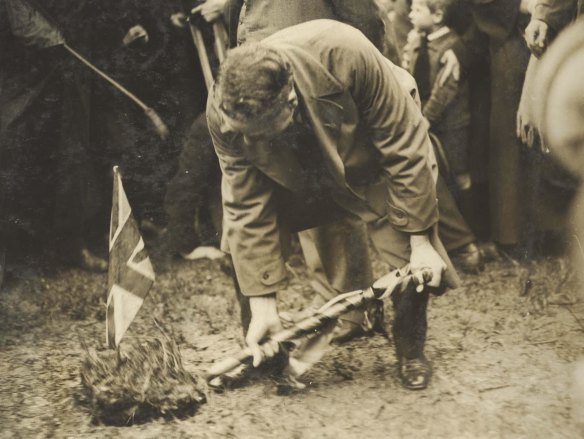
(468, 259)
(489, 251)
(203, 252)
(89, 262)
(245, 373)
(415, 374)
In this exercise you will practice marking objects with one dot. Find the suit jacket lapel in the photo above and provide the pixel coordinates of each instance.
(322, 95)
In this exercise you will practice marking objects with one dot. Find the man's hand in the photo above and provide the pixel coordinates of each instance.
(425, 263)
(135, 33)
(526, 130)
(179, 20)
(212, 10)
(536, 37)
(451, 67)
(264, 322)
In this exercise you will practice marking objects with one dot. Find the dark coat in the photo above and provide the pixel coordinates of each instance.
(496, 32)
(448, 105)
(263, 18)
(346, 85)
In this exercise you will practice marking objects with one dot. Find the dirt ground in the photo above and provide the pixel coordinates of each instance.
(503, 358)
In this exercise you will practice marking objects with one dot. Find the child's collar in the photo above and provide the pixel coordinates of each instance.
(439, 33)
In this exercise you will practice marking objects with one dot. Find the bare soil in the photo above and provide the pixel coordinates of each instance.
(503, 358)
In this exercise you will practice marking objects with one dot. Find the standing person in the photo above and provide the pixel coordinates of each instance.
(45, 168)
(142, 51)
(193, 194)
(313, 130)
(445, 106)
(496, 31)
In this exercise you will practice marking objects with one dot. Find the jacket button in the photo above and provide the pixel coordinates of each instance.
(266, 276)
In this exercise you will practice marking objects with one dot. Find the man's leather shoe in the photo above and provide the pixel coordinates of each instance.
(415, 373)
(469, 259)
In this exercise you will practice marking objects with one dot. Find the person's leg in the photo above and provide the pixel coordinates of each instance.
(410, 323)
(186, 192)
(457, 236)
(337, 257)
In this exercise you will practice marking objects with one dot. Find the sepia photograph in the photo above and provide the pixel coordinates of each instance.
(292, 219)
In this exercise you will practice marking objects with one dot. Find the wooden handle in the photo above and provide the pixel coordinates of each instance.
(228, 364)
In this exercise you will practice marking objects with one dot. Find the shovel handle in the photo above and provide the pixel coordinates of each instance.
(228, 364)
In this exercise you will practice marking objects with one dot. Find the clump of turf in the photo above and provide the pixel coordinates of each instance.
(141, 380)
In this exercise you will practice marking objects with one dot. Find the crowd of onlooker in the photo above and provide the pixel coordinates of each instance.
(62, 127)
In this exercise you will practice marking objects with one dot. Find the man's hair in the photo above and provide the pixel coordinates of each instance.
(254, 81)
(446, 6)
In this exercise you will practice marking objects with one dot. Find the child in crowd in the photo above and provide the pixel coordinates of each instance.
(445, 101)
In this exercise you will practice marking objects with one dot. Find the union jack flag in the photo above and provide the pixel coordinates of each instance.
(130, 274)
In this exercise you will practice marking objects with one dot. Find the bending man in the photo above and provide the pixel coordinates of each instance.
(312, 130)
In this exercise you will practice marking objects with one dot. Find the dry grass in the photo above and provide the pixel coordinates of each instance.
(143, 379)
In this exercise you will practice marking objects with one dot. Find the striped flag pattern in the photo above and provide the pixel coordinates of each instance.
(130, 274)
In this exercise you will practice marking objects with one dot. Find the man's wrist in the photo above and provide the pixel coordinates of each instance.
(419, 239)
(263, 302)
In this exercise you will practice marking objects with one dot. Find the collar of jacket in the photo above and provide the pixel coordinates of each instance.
(439, 33)
(433, 37)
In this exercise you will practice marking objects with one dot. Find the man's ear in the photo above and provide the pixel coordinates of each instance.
(438, 16)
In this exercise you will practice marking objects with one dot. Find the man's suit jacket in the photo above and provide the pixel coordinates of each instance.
(447, 107)
(371, 134)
